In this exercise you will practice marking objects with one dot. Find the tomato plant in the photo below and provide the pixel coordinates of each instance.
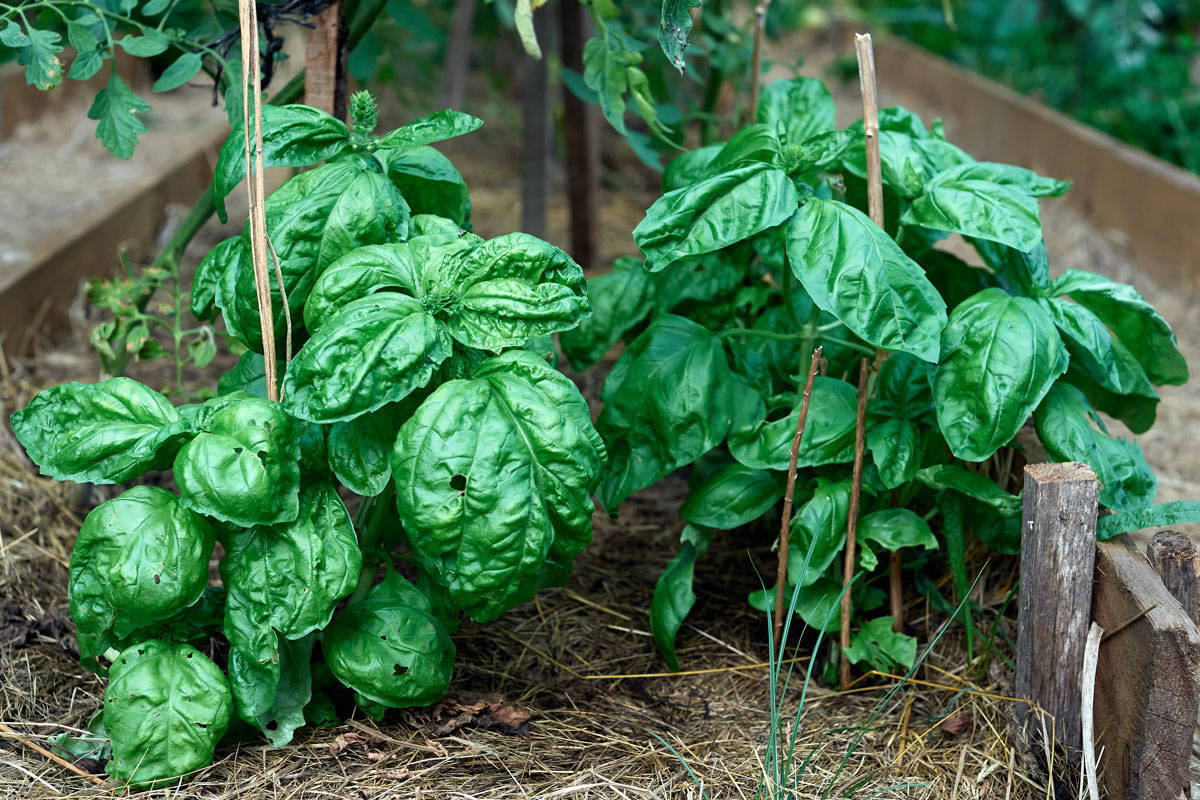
(760, 249)
(414, 385)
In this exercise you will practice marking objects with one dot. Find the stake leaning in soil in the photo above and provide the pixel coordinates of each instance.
(852, 519)
(786, 522)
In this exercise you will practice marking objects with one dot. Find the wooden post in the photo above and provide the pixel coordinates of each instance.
(1058, 536)
(536, 134)
(1175, 558)
(1147, 681)
(325, 62)
(581, 140)
(458, 54)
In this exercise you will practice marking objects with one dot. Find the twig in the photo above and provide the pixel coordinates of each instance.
(786, 522)
(896, 592)
(870, 100)
(1091, 658)
(62, 762)
(852, 519)
(760, 27)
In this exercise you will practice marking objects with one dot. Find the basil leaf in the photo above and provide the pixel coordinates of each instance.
(1024, 180)
(818, 532)
(360, 450)
(506, 291)
(314, 219)
(107, 432)
(115, 110)
(271, 696)
(1104, 359)
(242, 467)
(620, 300)
(753, 144)
(293, 136)
(362, 272)
(973, 485)
(817, 604)
(1024, 273)
(852, 269)
(1180, 512)
(248, 375)
(956, 202)
(1000, 355)
(140, 558)
(891, 529)
(389, 648)
(895, 448)
(907, 162)
(734, 496)
(799, 109)
(881, 647)
(828, 431)
(374, 351)
(673, 596)
(715, 213)
(667, 401)
(1071, 430)
(1138, 411)
(436, 127)
(1135, 322)
(902, 389)
(491, 472)
(209, 274)
(689, 167)
(165, 708)
(430, 183)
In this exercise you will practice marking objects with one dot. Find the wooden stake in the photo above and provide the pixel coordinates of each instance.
(786, 522)
(536, 134)
(1174, 557)
(582, 142)
(1058, 551)
(458, 54)
(870, 100)
(325, 62)
(760, 27)
(849, 555)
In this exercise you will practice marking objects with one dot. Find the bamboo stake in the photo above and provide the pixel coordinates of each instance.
(786, 522)
(870, 100)
(760, 27)
(852, 520)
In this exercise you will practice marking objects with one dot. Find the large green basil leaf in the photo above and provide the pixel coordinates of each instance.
(292, 136)
(955, 279)
(389, 648)
(1135, 322)
(360, 450)
(881, 647)
(798, 108)
(493, 471)
(1022, 273)
(289, 577)
(895, 448)
(374, 351)
(688, 167)
(733, 496)
(105, 432)
(956, 202)
(828, 431)
(673, 595)
(248, 375)
(620, 300)
(313, 219)
(1138, 411)
(907, 163)
(436, 127)
(852, 269)
(243, 465)
(209, 275)
(707, 281)
(272, 695)
(973, 485)
(1071, 430)
(891, 529)
(140, 558)
(750, 145)
(818, 532)
(902, 389)
(1024, 180)
(715, 213)
(505, 292)
(364, 271)
(667, 401)
(165, 708)
(1000, 355)
(1092, 347)
(430, 184)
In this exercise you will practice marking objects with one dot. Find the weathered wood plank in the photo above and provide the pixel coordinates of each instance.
(581, 141)
(1174, 556)
(325, 62)
(1147, 680)
(1057, 557)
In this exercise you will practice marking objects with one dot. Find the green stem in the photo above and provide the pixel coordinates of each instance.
(952, 531)
(371, 518)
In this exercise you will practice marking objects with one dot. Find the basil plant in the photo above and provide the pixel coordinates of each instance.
(417, 384)
(760, 249)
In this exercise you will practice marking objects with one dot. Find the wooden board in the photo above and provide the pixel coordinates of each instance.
(1147, 680)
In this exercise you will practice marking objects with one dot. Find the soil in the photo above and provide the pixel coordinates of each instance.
(603, 720)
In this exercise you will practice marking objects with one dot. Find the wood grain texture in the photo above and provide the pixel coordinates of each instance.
(325, 62)
(1057, 557)
(1147, 680)
(581, 141)
(1174, 557)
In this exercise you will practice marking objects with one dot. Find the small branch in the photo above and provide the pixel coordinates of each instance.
(896, 592)
(62, 762)
(760, 27)
(786, 522)
(1091, 660)
(870, 100)
(852, 520)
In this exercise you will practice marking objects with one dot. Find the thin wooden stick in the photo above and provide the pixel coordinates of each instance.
(1091, 660)
(62, 762)
(896, 592)
(870, 100)
(786, 522)
(760, 27)
(852, 520)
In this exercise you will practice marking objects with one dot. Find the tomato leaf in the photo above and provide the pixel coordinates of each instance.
(115, 110)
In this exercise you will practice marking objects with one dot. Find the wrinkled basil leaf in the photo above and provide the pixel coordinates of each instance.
(956, 201)
(733, 496)
(828, 431)
(620, 300)
(798, 108)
